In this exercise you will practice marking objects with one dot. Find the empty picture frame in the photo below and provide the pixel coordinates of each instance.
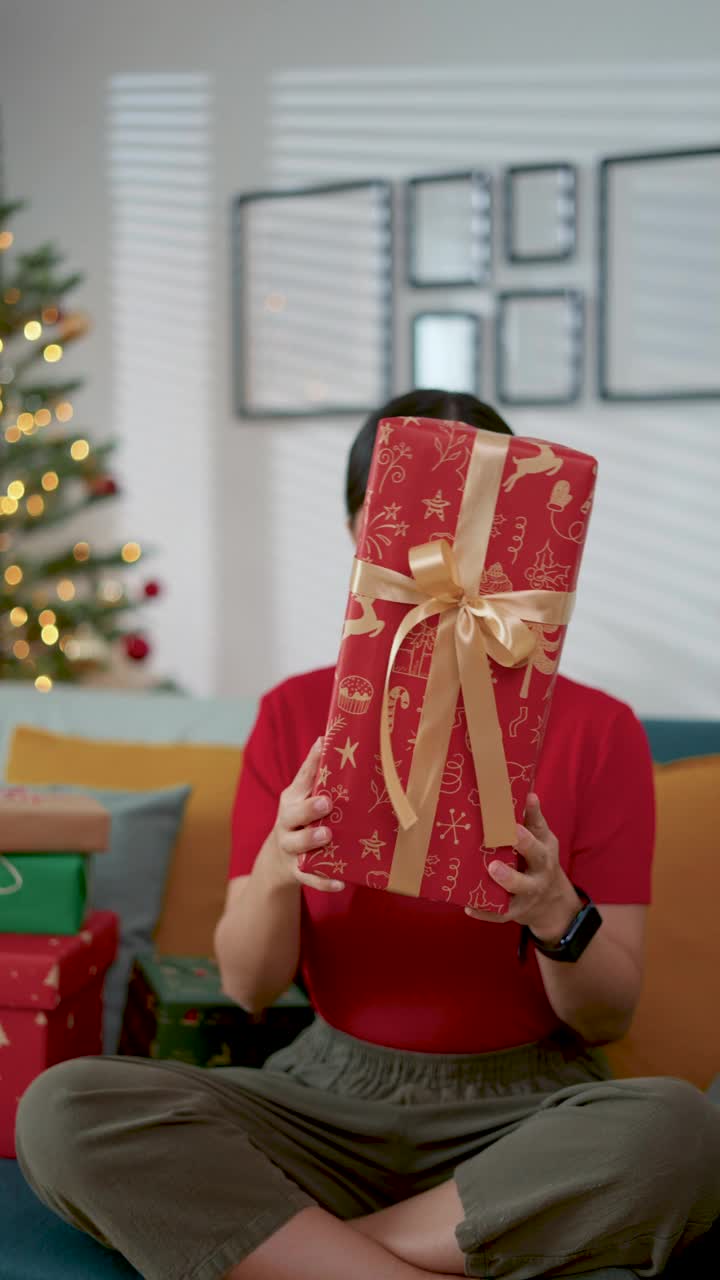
(540, 212)
(539, 347)
(313, 300)
(659, 313)
(449, 230)
(446, 350)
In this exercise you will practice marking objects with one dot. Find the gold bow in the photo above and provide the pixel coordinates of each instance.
(471, 628)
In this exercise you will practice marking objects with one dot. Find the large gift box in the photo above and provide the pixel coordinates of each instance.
(50, 1006)
(462, 588)
(177, 1009)
(45, 840)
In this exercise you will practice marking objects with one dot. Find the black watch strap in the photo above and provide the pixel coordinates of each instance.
(577, 936)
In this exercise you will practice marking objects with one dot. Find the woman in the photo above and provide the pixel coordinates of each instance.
(446, 1114)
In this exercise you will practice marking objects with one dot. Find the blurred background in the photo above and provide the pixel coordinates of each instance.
(231, 346)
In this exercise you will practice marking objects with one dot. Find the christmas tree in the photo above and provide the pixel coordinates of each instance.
(63, 610)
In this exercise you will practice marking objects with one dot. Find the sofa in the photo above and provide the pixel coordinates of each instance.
(674, 1032)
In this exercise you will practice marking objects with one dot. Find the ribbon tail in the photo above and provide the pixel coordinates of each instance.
(486, 741)
(404, 811)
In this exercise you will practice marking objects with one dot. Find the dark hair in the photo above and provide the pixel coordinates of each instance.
(448, 405)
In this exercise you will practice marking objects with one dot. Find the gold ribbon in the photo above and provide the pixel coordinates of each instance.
(471, 628)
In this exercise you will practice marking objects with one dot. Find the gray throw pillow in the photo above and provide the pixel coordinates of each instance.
(129, 879)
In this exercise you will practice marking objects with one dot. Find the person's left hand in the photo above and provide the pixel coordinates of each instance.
(542, 896)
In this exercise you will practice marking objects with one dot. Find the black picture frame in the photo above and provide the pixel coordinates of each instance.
(244, 407)
(607, 166)
(575, 301)
(512, 177)
(481, 228)
(475, 322)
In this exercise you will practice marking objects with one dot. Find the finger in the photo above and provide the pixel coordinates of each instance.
(295, 814)
(296, 842)
(533, 850)
(492, 917)
(489, 917)
(534, 818)
(318, 882)
(305, 776)
(515, 882)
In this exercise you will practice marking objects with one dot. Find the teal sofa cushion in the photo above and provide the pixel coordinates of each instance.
(38, 1246)
(679, 739)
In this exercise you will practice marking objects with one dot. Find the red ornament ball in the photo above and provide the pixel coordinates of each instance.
(102, 486)
(151, 589)
(136, 647)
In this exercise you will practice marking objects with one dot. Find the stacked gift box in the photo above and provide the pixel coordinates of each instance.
(176, 1009)
(54, 954)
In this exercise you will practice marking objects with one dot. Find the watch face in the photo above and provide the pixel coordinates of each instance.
(581, 932)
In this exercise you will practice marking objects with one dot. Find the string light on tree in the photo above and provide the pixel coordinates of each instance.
(79, 450)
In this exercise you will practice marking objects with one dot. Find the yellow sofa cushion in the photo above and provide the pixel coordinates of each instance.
(676, 1030)
(195, 889)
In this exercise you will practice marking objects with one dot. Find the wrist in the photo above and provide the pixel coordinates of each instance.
(552, 923)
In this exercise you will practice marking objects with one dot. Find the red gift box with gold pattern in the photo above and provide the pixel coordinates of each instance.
(462, 587)
(50, 1006)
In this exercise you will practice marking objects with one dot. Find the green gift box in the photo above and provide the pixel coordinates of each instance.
(177, 1009)
(43, 893)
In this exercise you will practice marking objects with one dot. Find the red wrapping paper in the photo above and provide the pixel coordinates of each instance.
(416, 485)
(50, 1006)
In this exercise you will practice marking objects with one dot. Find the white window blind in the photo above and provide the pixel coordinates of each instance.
(162, 210)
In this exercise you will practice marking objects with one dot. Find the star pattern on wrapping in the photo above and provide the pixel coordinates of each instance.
(323, 774)
(347, 753)
(435, 506)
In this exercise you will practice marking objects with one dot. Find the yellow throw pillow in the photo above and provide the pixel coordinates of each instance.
(676, 1031)
(195, 889)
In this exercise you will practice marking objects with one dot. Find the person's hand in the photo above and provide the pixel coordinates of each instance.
(542, 896)
(293, 834)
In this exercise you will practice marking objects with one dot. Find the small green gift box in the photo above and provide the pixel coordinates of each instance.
(177, 1009)
(43, 893)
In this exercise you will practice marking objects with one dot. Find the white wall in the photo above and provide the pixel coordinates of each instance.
(269, 492)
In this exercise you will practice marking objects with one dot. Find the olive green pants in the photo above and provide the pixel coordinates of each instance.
(559, 1168)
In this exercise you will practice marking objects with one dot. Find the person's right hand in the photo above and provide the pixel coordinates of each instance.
(293, 834)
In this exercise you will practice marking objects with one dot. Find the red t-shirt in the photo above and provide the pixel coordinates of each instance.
(424, 976)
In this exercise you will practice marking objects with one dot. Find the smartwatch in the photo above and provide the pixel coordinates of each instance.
(577, 936)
